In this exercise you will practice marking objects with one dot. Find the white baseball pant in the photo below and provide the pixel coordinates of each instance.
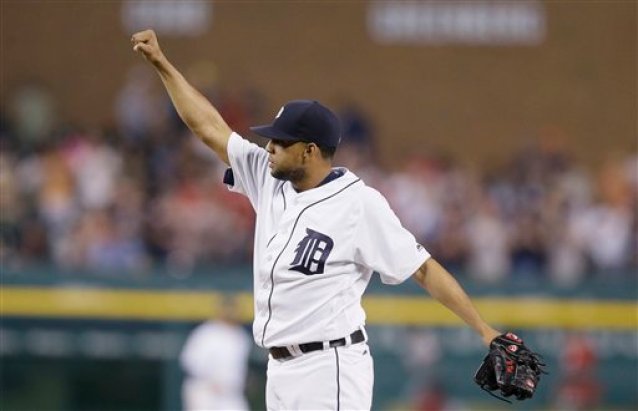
(338, 378)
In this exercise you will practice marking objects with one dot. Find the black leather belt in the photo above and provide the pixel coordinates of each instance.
(279, 353)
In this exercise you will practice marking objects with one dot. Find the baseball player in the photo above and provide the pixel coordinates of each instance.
(215, 362)
(320, 234)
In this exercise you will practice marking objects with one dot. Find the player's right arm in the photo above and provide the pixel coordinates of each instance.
(194, 109)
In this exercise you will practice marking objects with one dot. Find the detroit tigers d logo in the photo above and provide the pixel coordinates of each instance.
(312, 252)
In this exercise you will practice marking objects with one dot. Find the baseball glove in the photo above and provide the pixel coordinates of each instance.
(511, 368)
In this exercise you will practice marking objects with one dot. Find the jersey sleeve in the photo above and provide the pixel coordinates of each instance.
(249, 168)
(383, 244)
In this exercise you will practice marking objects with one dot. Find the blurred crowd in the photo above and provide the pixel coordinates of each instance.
(145, 193)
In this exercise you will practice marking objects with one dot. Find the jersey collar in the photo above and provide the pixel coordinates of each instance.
(337, 180)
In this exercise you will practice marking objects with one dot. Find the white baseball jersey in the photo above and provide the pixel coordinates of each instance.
(315, 251)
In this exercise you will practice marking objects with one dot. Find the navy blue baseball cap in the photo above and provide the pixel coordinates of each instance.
(304, 120)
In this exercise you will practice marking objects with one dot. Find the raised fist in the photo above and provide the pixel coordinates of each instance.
(145, 42)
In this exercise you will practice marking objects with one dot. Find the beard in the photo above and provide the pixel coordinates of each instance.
(293, 175)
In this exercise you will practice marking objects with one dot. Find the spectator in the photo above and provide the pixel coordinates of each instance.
(96, 168)
(488, 243)
(159, 199)
(32, 111)
(137, 106)
(579, 387)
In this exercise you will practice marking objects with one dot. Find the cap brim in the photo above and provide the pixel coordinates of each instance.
(270, 132)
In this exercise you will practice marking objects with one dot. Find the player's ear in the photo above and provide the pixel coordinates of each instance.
(307, 151)
(310, 147)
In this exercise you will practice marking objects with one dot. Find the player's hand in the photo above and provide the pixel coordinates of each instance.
(145, 43)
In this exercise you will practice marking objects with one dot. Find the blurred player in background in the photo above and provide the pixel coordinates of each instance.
(215, 362)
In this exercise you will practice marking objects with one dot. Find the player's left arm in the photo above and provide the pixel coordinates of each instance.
(442, 286)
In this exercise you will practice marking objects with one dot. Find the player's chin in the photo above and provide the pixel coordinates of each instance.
(280, 174)
(287, 174)
(277, 173)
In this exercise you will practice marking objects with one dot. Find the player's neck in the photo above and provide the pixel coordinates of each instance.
(313, 178)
